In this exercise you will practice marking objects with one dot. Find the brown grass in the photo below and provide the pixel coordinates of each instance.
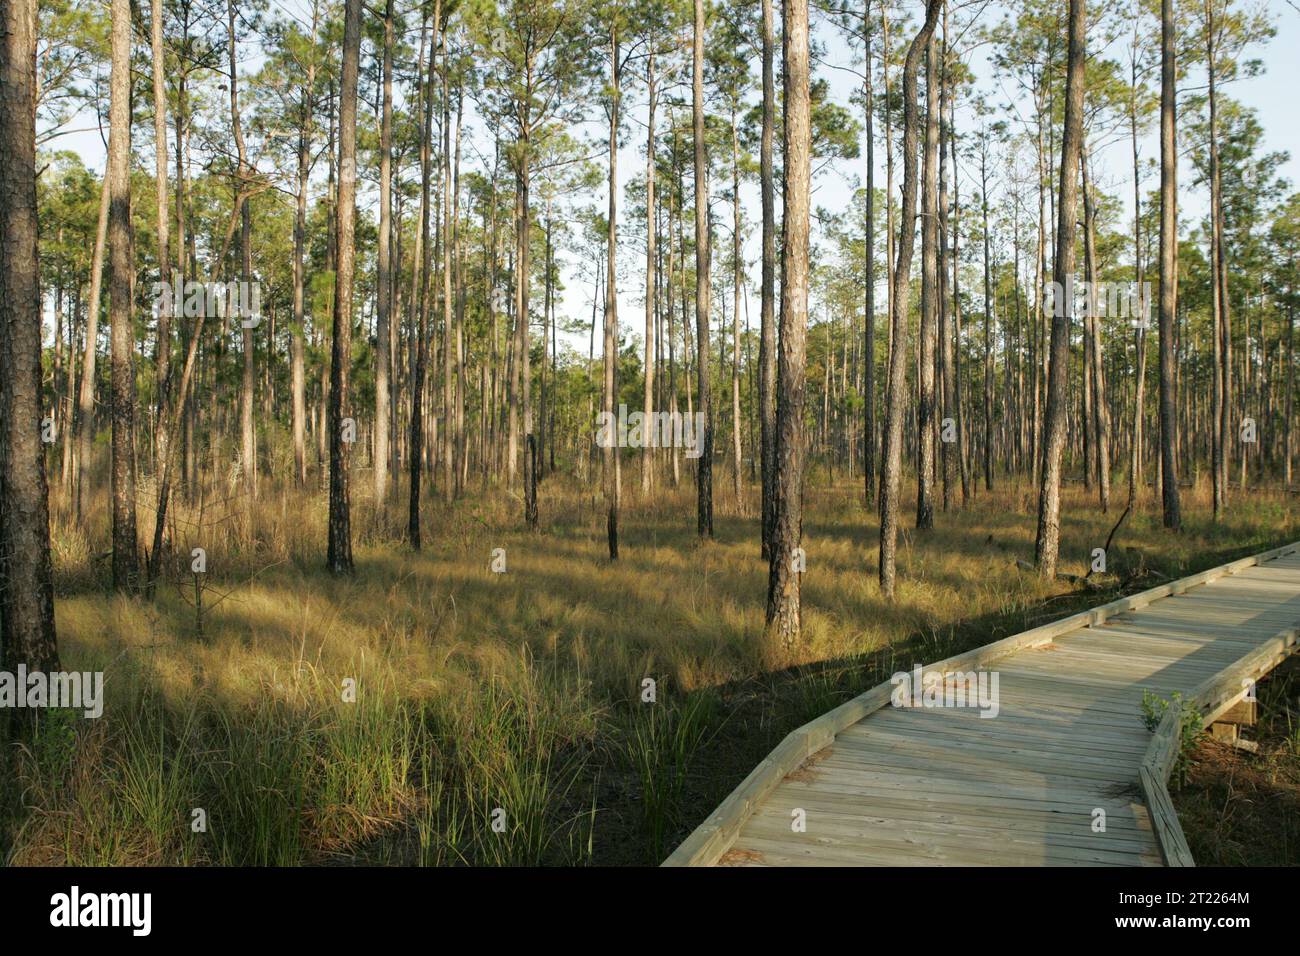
(519, 688)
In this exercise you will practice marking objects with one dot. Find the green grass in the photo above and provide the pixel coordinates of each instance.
(498, 718)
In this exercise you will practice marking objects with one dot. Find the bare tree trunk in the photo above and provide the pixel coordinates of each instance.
(1219, 284)
(162, 363)
(869, 338)
(896, 395)
(296, 333)
(339, 556)
(930, 296)
(27, 634)
(1288, 404)
(384, 305)
(988, 320)
(462, 457)
(1140, 326)
(86, 394)
(703, 253)
(1048, 540)
(647, 460)
(1101, 410)
(1168, 265)
(424, 255)
(610, 451)
(767, 320)
(785, 567)
(448, 418)
(248, 436)
(125, 557)
(735, 315)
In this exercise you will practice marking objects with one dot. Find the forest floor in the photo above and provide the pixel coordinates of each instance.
(431, 710)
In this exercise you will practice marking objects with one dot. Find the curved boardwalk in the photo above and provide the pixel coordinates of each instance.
(874, 783)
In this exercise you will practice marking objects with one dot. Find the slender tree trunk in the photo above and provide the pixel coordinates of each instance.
(122, 338)
(1048, 540)
(1101, 409)
(1289, 401)
(925, 419)
(86, 394)
(647, 459)
(27, 634)
(424, 256)
(704, 465)
(785, 566)
(162, 363)
(610, 451)
(1140, 326)
(988, 319)
(248, 436)
(869, 338)
(1168, 265)
(297, 332)
(384, 305)
(735, 314)
(767, 320)
(896, 395)
(448, 418)
(339, 556)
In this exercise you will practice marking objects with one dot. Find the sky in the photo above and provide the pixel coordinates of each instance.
(1270, 94)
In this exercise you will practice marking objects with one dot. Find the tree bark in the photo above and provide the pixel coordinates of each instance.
(1168, 265)
(122, 339)
(647, 459)
(86, 394)
(767, 321)
(869, 337)
(610, 452)
(785, 566)
(384, 281)
(339, 555)
(1048, 540)
(247, 433)
(704, 465)
(424, 257)
(896, 394)
(27, 633)
(162, 362)
(925, 418)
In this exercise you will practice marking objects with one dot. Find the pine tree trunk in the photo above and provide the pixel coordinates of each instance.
(86, 394)
(384, 292)
(767, 319)
(121, 327)
(339, 556)
(1168, 265)
(610, 347)
(896, 394)
(925, 418)
(647, 455)
(785, 567)
(704, 464)
(27, 634)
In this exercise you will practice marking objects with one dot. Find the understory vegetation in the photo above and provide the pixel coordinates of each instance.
(504, 718)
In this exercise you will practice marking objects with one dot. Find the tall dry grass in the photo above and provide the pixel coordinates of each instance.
(499, 717)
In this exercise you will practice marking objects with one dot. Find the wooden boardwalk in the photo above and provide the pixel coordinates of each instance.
(875, 783)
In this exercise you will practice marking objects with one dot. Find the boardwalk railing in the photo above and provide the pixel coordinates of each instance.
(712, 838)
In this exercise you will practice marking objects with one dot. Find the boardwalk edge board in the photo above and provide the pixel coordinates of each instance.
(712, 838)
